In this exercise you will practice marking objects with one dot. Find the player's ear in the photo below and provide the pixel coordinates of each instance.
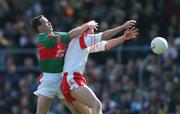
(39, 28)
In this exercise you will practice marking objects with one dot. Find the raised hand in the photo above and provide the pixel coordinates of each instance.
(92, 24)
(129, 24)
(131, 33)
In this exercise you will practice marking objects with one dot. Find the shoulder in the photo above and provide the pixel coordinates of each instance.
(42, 38)
(61, 33)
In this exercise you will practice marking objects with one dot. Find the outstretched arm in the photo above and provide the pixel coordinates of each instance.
(129, 34)
(106, 45)
(91, 39)
(79, 30)
(110, 33)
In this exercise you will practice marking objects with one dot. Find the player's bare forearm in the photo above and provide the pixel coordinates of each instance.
(110, 33)
(78, 31)
(129, 34)
(114, 42)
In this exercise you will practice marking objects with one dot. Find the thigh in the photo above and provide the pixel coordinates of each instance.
(84, 95)
(83, 109)
(43, 104)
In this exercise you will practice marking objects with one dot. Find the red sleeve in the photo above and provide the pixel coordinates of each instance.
(82, 41)
(87, 40)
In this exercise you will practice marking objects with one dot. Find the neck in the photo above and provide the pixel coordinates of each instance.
(45, 32)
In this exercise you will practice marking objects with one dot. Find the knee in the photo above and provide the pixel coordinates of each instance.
(75, 112)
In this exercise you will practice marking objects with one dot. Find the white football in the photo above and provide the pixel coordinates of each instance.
(159, 45)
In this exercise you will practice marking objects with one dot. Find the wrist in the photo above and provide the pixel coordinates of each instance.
(86, 26)
(124, 37)
(122, 27)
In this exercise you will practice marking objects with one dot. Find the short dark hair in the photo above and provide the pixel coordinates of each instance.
(36, 22)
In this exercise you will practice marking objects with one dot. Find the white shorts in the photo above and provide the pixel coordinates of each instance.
(50, 85)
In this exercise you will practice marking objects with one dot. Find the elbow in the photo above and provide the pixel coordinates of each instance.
(70, 34)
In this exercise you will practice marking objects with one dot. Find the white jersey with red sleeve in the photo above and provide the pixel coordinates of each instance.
(79, 49)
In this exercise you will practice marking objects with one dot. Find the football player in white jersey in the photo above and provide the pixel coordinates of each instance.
(73, 85)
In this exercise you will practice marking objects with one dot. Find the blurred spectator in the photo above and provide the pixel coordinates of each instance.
(172, 52)
(11, 75)
(177, 109)
(3, 41)
(136, 104)
(108, 104)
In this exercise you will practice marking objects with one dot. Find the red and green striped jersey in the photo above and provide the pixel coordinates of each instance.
(51, 51)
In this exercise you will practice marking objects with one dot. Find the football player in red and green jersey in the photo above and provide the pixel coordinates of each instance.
(51, 56)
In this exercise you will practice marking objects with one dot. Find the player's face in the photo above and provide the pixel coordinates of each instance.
(45, 25)
(90, 31)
